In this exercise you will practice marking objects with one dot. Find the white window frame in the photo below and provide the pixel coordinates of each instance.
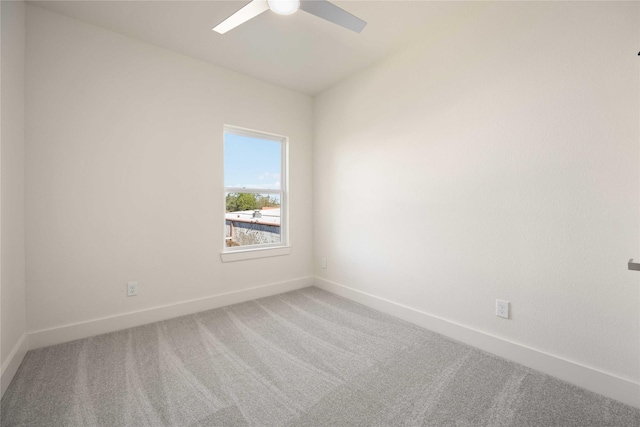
(238, 253)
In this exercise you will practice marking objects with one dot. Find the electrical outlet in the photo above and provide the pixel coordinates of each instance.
(502, 308)
(324, 263)
(132, 289)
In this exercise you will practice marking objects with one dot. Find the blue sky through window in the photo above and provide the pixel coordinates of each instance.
(251, 162)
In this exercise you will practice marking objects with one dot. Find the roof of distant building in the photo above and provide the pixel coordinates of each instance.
(267, 216)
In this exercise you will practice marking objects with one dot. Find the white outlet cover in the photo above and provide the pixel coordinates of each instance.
(132, 289)
(502, 308)
(324, 263)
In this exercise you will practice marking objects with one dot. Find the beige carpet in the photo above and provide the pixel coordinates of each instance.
(305, 358)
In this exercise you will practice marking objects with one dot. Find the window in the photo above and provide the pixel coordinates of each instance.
(255, 185)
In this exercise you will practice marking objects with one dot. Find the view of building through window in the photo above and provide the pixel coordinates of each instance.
(254, 189)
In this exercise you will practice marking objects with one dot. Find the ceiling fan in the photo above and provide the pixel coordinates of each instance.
(319, 8)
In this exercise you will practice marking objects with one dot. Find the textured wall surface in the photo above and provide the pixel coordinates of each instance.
(508, 138)
(124, 173)
(12, 272)
(246, 233)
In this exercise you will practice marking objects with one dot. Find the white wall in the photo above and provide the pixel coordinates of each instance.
(12, 271)
(124, 175)
(497, 158)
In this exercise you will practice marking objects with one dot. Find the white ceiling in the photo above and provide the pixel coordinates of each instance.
(300, 52)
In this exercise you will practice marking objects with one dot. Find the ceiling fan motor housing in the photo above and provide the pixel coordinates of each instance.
(284, 7)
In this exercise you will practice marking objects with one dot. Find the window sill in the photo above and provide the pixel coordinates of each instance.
(254, 253)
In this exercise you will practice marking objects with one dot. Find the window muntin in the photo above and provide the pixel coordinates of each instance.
(255, 190)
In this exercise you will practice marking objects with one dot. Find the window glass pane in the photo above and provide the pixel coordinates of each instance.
(252, 219)
(251, 162)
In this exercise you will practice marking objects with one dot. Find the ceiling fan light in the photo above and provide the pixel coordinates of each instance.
(284, 7)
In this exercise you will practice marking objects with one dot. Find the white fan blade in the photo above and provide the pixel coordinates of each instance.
(251, 10)
(332, 13)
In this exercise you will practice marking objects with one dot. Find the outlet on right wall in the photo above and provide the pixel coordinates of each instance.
(495, 158)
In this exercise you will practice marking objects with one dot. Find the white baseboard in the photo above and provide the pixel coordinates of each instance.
(11, 365)
(608, 385)
(66, 333)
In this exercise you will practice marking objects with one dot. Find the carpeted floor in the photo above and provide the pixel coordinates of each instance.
(304, 358)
